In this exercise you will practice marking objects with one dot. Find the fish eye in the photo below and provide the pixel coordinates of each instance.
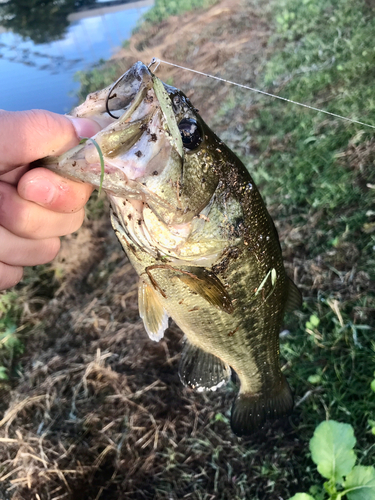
(191, 133)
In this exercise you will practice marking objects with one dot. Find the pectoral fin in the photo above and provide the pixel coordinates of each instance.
(153, 314)
(208, 286)
(201, 370)
(201, 281)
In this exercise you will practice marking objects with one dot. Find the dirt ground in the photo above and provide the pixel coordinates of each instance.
(99, 411)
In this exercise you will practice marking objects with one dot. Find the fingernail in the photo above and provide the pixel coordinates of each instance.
(84, 127)
(39, 190)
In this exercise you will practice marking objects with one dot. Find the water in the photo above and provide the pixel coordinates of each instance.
(41, 75)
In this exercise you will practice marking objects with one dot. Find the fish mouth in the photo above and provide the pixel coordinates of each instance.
(133, 141)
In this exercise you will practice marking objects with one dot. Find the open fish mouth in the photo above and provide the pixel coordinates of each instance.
(134, 140)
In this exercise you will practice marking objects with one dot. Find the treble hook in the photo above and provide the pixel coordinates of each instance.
(109, 96)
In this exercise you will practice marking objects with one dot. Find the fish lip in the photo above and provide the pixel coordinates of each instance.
(122, 94)
(130, 84)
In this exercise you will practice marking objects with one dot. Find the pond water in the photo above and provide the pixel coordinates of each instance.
(40, 75)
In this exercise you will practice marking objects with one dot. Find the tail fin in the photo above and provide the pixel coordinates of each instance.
(250, 411)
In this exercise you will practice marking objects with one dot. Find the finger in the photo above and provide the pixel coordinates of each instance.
(29, 220)
(15, 175)
(9, 275)
(53, 192)
(28, 252)
(29, 135)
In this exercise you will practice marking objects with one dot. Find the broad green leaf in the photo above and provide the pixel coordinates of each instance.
(332, 449)
(302, 496)
(360, 483)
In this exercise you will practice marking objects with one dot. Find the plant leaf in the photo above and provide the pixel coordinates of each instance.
(302, 496)
(361, 482)
(332, 449)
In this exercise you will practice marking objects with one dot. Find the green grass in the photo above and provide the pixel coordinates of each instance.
(165, 8)
(10, 344)
(325, 61)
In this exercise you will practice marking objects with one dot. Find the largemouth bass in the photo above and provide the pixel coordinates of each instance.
(197, 231)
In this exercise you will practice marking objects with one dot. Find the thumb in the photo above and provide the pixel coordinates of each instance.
(29, 135)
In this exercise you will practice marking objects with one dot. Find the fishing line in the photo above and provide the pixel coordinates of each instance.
(158, 61)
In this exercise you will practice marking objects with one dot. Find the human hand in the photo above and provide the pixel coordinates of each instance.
(36, 206)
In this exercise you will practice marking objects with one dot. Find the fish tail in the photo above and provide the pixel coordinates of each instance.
(251, 410)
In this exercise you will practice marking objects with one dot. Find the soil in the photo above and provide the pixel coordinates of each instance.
(99, 411)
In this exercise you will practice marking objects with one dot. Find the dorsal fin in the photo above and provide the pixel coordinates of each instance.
(294, 300)
(153, 314)
(201, 370)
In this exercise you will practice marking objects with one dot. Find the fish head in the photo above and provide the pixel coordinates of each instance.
(155, 147)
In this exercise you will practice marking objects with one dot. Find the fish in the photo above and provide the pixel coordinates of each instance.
(196, 230)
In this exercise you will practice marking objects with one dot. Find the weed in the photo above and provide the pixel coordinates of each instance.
(332, 451)
(10, 344)
(165, 8)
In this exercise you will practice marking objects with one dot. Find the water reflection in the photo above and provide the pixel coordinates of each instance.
(36, 74)
(37, 59)
(41, 21)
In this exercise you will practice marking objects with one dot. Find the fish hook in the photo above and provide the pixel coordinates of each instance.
(153, 61)
(109, 96)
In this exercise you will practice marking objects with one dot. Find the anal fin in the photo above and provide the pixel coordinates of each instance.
(201, 370)
(153, 314)
(250, 411)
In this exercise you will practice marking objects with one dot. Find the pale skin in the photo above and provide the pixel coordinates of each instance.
(37, 206)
